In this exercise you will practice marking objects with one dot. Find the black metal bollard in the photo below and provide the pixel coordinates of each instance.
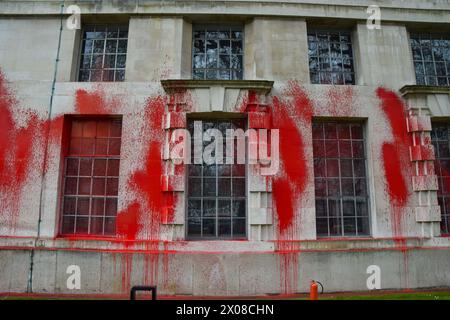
(142, 288)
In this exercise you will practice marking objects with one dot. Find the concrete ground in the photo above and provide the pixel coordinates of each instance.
(421, 294)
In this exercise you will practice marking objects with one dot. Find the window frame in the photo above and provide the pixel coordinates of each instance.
(348, 32)
(189, 237)
(230, 26)
(67, 128)
(445, 214)
(80, 52)
(431, 37)
(341, 197)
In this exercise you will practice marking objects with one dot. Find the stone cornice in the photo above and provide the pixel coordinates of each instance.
(437, 11)
(262, 86)
(417, 89)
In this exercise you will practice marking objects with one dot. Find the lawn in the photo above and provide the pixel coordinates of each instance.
(433, 295)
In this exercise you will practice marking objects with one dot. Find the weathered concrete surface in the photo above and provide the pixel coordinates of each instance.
(224, 274)
(393, 10)
(159, 47)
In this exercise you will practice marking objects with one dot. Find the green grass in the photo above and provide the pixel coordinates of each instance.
(417, 295)
(393, 296)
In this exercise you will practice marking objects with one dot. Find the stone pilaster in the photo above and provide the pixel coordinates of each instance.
(424, 181)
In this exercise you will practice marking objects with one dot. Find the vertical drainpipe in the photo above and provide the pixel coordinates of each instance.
(47, 135)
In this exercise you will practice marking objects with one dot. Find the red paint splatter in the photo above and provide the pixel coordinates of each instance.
(94, 102)
(341, 101)
(17, 153)
(396, 169)
(146, 183)
(395, 154)
(290, 182)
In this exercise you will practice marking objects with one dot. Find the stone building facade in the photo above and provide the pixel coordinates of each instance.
(91, 113)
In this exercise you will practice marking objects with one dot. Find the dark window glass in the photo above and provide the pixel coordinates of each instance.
(103, 53)
(340, 179)
(330, 58)
(91, 177)
(431, 55)
(217, 53)
(441, 140)
(216, 204)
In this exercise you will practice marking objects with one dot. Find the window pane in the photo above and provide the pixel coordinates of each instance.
(340, 180)
(440, 139)
(224, 227)
(194, 208)
(100, 51)
(92, 194)
(209, 227)
(194, 226)
(238, 227)
(219, 56)
(431, 59)
(335, 56)
(216, 192)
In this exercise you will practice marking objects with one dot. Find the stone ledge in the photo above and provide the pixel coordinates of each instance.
(428, 214)
(416, 89)
(233, 247)
(263, 86)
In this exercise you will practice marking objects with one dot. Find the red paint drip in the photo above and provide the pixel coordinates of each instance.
(290, 182)
(146, 183)
(17, 154)
(395, 154)
(395, 159)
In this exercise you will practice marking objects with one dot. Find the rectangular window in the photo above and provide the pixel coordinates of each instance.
(342, 207)
(440, 138)
(103, 53)
(91, 177)
(330, 57)
(217, 52)
(431, 55)
(216, 203)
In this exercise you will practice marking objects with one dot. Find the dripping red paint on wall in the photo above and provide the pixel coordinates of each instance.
(292, 179)
(17, 152)
(395, 154)
(146, 183)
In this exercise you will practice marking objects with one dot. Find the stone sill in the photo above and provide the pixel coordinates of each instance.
(222, 247)
(416, 89)
(262, 86)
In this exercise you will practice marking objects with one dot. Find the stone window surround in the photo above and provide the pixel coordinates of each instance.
(219, 96)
